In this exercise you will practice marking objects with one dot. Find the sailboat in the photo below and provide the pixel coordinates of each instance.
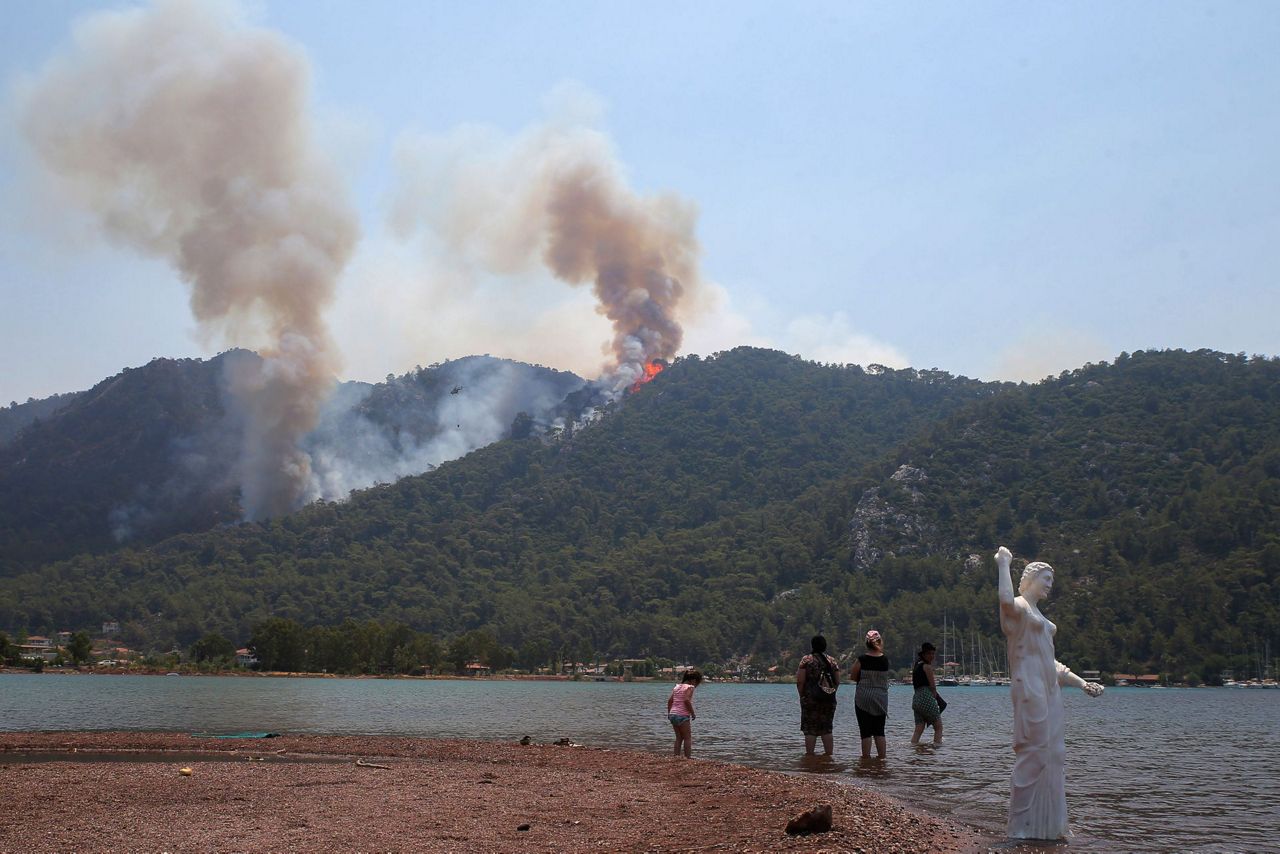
(998, 677)
(979, 679)
(948, 666)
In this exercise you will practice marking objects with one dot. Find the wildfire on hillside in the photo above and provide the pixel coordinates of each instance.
(651, 370)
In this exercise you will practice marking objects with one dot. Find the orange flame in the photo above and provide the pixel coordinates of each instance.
(651, 370)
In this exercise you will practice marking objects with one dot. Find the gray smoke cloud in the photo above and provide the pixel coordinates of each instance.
(185, 132)
(556, 197)
(416, 422)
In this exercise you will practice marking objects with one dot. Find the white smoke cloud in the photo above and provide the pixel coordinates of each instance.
(715, 323)
(1047, 351)
(721, 324)
(831, 338)
(443, 415)
(399, 309)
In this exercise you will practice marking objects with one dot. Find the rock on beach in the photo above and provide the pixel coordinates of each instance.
(122, 791)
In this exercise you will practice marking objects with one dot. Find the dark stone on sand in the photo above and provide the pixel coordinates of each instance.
(816, 820)
(523, 827)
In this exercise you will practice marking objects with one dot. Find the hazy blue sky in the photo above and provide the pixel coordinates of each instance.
(998, 190)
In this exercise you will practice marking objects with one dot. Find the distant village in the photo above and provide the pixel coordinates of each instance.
(105, 650)
(79, 651)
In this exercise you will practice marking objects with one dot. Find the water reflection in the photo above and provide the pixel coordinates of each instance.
(872, 768)
(821, 764)
(1022, 845)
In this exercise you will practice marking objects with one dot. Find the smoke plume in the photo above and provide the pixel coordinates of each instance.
(556, 197)
(185, 133)
(413, 423)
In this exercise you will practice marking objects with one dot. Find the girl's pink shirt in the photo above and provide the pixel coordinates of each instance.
(681, 695)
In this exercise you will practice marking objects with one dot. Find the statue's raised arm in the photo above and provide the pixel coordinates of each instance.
(1004, 558)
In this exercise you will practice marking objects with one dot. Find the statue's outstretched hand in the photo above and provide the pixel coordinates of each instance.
(1004, 558)
(1093, 689)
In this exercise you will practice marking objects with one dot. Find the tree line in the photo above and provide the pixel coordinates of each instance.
(739, 504)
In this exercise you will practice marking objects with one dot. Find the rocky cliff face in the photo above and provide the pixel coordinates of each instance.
(890, 520)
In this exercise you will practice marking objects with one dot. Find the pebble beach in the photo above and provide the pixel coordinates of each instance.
(113, 791)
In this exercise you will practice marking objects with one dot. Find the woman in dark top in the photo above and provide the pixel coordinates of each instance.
(924, 705)
(871, 702)
(817, 680)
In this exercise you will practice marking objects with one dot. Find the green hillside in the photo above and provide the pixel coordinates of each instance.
(1152, 485)
(16, 417)
(152, 452)
(739, 503)
(97, 468)
(521, 536)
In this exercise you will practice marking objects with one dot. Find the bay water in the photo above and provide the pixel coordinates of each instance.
(1147, 769)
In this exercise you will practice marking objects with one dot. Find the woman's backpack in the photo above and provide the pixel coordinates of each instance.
(822, 689)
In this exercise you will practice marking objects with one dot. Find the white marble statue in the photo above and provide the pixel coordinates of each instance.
(1037, 799)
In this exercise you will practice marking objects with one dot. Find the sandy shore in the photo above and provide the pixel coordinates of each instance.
(124, 792)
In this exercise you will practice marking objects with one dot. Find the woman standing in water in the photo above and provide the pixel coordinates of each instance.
(817, 680)
(871, 702)
(1037, 797)
(925, 707)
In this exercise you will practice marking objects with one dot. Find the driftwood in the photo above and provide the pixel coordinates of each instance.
(364, 764)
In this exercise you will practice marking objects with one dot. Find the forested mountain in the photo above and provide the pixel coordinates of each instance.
(15, 417)
(152, 451)
(90, 474)
(522, 520)
(737, 504)
(1152, 485)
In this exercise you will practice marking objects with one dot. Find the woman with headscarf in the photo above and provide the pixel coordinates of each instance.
(871, 701)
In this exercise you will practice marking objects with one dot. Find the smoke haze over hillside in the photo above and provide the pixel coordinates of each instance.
(186, 134)
(414, 423)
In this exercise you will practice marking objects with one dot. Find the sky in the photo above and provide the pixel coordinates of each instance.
(1000, 190)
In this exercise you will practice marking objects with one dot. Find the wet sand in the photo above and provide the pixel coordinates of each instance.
(124, 791)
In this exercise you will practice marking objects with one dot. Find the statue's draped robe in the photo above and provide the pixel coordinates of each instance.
(1038, 799)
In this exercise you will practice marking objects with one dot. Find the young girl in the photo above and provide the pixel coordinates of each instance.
(680, 709)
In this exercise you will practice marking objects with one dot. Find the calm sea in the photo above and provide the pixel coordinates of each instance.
(1148, 769)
